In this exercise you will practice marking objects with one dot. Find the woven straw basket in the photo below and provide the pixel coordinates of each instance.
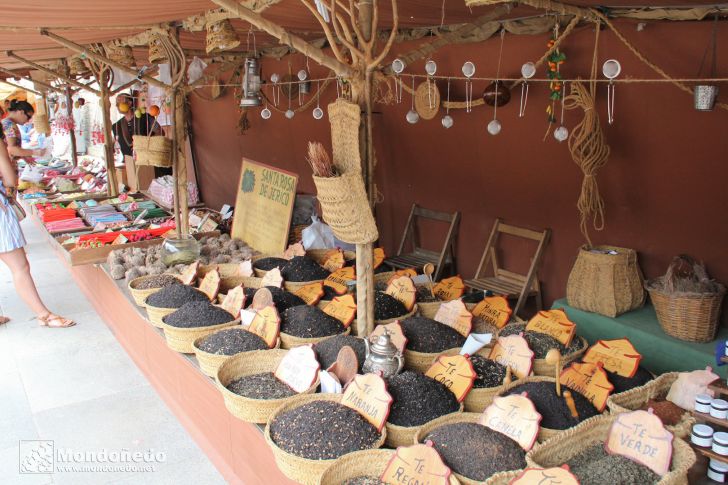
(411, 313)
(289, 341)
(210, 363)
(421, 361)
(41, 124)
(153, 150)
(405, 435)
(542, 368)
(429, 308)
(559, 449)
(156, 314)
(220, 36)
(345, 118)
(345, 207)
(77, 66)
(382, 278)
(156, 52)
(318, 255)
(608, 284)
(502, 478)
(360, 464)
(294, 286)
(141, 295)
(123, 54)
(229, 277)
(478, 398)
(181, 339)
(245, 364)
(637, 397)
(543, 433)
(427, 100)
(303, 470)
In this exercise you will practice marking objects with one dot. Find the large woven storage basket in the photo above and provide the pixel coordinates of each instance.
(345, 207)
(559, 449)
(478, 398)
(156, 52)
(140, 296)
(303, 470)
(153, 150)
(544, 433)
(405, 435)
(245, 364)
(181, 339)
(290, 341)
(210, 363)
(221, 36)
(637, 397)
(123, 54)
(41, 124)
(608, 284)
(543, 368)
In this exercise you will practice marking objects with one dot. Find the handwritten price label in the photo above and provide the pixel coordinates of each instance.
(234, 301)
(396, 335)
(367, 394)
(554, 323)
(513, 351)
(272, 278)
(210, 284)
(454, 372)
(333, 260)
(493, 310)
(514, 416)
(266, 324)
(294, 250)
(342, 308)
(379, 257)
(338, 279)
(449, 288)
(419, 463)
(640, 436)
(411, 272)
(403, 289)
(590, 380)
(618, 356)
(311, 293)
(546, 476)
(455, 315)
(190, 273)
(298, 368)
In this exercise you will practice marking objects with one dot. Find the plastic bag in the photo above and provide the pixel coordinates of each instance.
(690, 384)
(31, 174)
(194, 72)
(318, 235)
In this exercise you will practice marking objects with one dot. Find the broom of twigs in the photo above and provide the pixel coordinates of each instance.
(320, 161)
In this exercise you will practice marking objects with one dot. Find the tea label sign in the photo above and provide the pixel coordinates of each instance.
(367, 395)
(554, 323)
(641, 436)
(403, 289)
(342, 308)
(311, 293)
(234, 301)
(346, 366)
(513, 351)
(246, 269)
(546, 476)
(449, 288)
(379, 257)
(454, 372)
(455, 315)
(411, 272)
(210, 284)
(298, 368)
(419, 463)
(618, 356)
(396, 335)
(294, 250)
(333, 260)
(339, 279)
(493, 310)
(190, 273)
(514, 416)
(590, 380)
(261, 299)
(266, 324)
(272, 278)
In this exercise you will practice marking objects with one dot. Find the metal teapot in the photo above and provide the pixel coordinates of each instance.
(383, 355)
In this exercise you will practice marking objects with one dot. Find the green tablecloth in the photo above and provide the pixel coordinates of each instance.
(660, 352)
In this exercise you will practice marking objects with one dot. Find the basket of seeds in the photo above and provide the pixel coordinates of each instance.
(472, 451)
(169, 299)
(319, 255)
(503, 478)
(541, 343)
(361, 468)
(249, 387)
(140, 288)
(327, 350)
(193, 320)
(582, 448)
(262, 265)
(388, 309)
(418, 399)
(305, 324)
(217, 347)
(426, 339)
(652, 395)
(308, 433)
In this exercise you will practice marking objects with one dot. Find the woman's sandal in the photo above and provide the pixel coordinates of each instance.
(4, 319)
(54, 321)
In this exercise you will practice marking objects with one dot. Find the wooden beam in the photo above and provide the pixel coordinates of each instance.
(60, 76)
(40, 83)
(18, 86)
(548, 5)
(69, 111)
(285, 37)
(112, 186)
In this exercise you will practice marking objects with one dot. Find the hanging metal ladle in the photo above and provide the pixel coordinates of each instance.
(468, 72)
(528, 70)
(318, 113)
(611, 70)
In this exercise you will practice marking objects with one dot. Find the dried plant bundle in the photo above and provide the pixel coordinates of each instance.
(320, 160)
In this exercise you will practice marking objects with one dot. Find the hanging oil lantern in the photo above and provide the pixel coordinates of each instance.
(251, 84)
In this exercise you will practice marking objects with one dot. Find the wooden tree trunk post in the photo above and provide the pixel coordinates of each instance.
(181, 161)
(112, 184)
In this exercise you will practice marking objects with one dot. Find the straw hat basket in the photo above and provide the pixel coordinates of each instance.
(360, 464)
(544, 433)
(405, 435)
(156, 314)
(637, 397)
(426, 429)
(608, 284)
(76, 66)
(221, 36)
(559, 449)
(123, 54)
(427, 100)
(542, 368)
(210, 363)
(245, 364)
(153, 150)
(478, 398)
(304, 470)
(41, 123)
(156, 52)
(386, 321)
(141, 295)
(289, 341)
(181, 339)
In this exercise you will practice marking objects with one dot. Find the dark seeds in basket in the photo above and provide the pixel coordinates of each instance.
(418, 399)
(553, 409)
(267, 264)
(367, 480)
(541, 343)
(428, 335)
(322, 430)
(621, 383)
(260, 386)
(197, 314)
(175, 296)
(306, 321)
(489, 372)
(386, 306)
(283, 300)
(157, 281)
(232, 341)
(594, 466)
(328, 350)
(301, 268)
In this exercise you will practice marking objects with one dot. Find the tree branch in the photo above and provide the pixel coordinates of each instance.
(355, 23)
(348, 42)
(329, 35)
(392, 35)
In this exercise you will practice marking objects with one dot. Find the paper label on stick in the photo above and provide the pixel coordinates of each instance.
(210, 284)
(618, 356)
(419, 463)
(513, 351)
(546, 476)
(266, 324)
(367, 395)
(403, 289)
(298, 368)
(454, 372)
(311, 293)
(342, 308)
(590, 380)
(246, 269)
(554, 323)
(294, 250)
(493, 310)
(379, 257)
(333, 260)
(449, 288)
(514, 416)
(189, 275)
(234, 301)
(396, 335)
(455, 315)
(641, 436)
(338, 279)
(272, 278)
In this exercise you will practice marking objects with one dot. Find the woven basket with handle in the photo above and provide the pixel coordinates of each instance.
(153, 150)
(345, 207)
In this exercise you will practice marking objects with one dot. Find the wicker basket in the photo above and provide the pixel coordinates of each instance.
(345, 207)
(478, 398)
(140, 296)
(229, 277)
(387, 321)
(76, 66)
(502, 478)
(429, 309)
(156, 314)
(303, 470)
(405, 435)
(153, 150)
(637, 397)
(289, 341)
(345, 118)
(382, 278)
(123, 54)
(220, 36)
(542, 368)
(294, 286)
(421, 361)
(245, 364)
(210, 363)
(41, 124)
(568, 444)
(181, 339)
(543, 433)
(156, 52)
(318, 255)
(359, 464)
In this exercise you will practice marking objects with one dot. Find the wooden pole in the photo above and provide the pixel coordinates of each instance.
(175, 169)
(179, 134)
(112, 183)
(62, 77)
(39, 83)
(18, 86)
(69, 110)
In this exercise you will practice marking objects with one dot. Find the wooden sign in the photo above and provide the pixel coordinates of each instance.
(396, 335)
(210, 284)
(640, 436)
(311, 293)
(416, 464)
(294, 250)
(338, 280)
(367, 395)
(513, 351)
(333, 260)
(554, 323)
(379, 257)
(449, 288)
(261, 299)
(455, 315)
(246, 269)
(590, 380)
(454, 372)
(298, 368)
(272, 278)
(266, 324)
(546, 476)
(346, 365)
(263, 207)
(234, 301)
(493, 310)
(514, 416)
(618, 356)
(342, 308)
(189, 275)
(403, 289)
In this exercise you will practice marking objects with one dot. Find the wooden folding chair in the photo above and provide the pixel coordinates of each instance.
(507, 283)
(420, 256)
